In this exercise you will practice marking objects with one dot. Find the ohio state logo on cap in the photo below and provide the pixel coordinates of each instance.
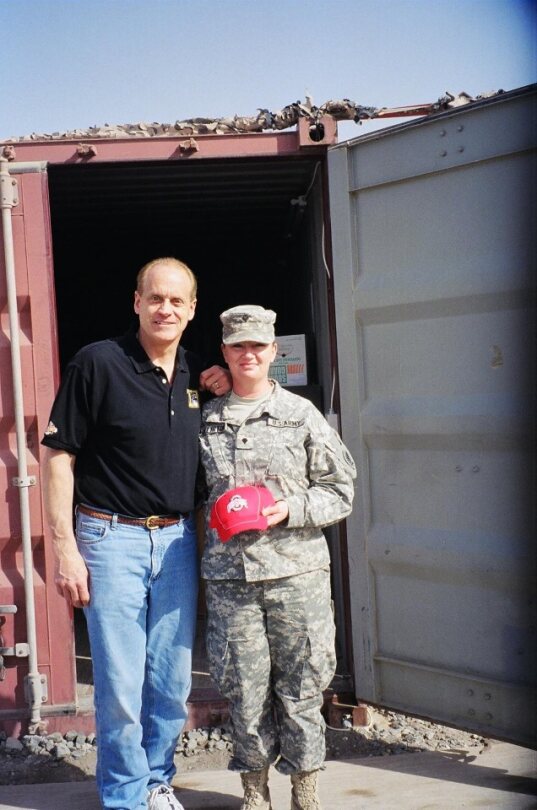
(239, 510)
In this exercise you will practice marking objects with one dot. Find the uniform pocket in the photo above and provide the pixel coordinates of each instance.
(304, 665)
(216, 452)
(288, 452)
(240, 664)
(319, 667)
(219, 661)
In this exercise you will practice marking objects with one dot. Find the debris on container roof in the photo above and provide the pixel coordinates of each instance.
(264, 120)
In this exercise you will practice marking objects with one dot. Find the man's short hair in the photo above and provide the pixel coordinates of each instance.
(171, 262)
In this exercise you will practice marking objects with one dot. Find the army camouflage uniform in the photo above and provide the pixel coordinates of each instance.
(270, 633)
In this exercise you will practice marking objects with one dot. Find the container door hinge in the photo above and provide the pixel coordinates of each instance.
(19, 651)
(5, 610)
(29, 481)
(9, 190)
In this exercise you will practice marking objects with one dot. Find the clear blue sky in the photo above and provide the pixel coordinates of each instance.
(74, 63)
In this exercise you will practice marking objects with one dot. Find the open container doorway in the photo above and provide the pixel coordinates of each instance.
(251, 229)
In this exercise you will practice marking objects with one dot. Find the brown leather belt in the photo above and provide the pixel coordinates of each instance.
(151, 522)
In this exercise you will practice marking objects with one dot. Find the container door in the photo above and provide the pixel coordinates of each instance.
(35, 296)
(431, 228)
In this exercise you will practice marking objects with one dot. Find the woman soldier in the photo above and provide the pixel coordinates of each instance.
(270, 633)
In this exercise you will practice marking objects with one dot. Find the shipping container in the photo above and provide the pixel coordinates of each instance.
(405, 258)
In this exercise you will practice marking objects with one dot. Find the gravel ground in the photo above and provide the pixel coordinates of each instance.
(71, 757)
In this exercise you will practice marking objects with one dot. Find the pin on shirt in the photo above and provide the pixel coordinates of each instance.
(193, 398)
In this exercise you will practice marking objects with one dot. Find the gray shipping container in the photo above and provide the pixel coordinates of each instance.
(434, 268)
(407, 259)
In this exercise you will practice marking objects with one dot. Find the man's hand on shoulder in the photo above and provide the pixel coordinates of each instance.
(215, 379)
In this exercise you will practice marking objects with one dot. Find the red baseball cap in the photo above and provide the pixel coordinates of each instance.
(239, 510)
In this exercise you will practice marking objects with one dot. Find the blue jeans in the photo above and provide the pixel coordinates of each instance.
(141, 624)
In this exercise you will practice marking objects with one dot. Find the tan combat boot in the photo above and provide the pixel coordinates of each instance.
(304, 794)
(256, 791)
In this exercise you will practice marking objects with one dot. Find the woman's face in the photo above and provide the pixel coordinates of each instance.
(248, 360)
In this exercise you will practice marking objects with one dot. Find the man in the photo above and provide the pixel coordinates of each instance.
(122, 445)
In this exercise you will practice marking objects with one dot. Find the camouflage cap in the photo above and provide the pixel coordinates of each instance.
(248, 322)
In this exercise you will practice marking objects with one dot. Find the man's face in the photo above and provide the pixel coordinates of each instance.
(164, 305)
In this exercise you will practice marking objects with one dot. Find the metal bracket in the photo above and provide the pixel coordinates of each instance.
(86, 150)
(36, 687)
(190, 145)
(9, 152)
(21, 650)
(9, 191)
(322, 132)
(29, 481)
(347, 715)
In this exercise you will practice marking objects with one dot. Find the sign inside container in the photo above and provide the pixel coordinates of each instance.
(290, 366)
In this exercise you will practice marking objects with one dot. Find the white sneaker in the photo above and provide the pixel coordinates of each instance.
(163, 798)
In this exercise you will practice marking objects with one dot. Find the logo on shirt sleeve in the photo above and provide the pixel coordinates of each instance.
(51, 429)
(193, 398)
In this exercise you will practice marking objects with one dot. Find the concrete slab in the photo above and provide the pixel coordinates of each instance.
(504, 776)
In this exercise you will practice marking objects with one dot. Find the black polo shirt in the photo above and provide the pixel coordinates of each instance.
(135, 436)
